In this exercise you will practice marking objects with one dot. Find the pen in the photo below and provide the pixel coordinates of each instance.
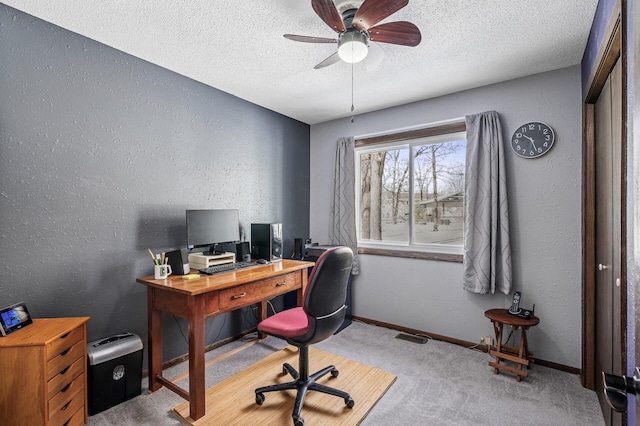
(158, 259)
(162, 259)
(152, 257)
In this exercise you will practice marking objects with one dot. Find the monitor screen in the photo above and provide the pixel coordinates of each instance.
(207, 228)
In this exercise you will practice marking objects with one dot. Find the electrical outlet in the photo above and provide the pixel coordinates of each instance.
(486, 340)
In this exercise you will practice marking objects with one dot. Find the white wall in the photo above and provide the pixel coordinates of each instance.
(545, 219)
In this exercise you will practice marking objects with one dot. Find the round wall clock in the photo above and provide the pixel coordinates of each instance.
(532, 140)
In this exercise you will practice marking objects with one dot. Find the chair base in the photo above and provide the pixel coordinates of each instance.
(303, 385)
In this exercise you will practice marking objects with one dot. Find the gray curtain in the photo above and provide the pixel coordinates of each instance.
(343, 206)
(487, 250)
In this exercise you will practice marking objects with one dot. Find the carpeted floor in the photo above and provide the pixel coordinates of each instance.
(438, 384)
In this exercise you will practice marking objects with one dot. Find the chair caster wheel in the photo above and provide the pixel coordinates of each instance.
(298, 422)
(349, 402)
(259, 398)
(334, 373)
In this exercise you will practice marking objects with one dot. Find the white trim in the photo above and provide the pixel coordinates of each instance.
(409, 128)
(416, 247)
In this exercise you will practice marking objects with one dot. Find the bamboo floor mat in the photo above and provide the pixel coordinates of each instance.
(232, 401)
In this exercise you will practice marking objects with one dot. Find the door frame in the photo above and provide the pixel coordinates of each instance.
(611, 51)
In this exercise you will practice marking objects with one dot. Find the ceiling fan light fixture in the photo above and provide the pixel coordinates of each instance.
(353, 47)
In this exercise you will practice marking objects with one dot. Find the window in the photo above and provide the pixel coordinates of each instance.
(410, 191)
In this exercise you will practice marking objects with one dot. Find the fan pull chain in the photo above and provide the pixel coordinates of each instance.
(352, 108)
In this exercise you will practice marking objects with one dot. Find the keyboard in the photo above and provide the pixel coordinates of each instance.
(216, 269)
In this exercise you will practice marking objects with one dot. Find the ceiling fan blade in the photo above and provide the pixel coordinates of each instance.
(307, 39)
(374, 57)
(401, 32)
(329, 61)
(373, 11)
(327, 11)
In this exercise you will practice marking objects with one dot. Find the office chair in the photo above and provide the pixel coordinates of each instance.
(322, 313)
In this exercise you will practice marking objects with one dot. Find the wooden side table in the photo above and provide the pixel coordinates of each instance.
(521, 355)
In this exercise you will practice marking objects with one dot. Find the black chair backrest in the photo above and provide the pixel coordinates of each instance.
(327, 288)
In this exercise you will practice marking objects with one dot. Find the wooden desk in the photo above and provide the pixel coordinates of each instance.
(207, 296)
(520, 355)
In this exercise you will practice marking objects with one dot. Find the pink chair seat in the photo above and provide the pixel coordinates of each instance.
(287, 324)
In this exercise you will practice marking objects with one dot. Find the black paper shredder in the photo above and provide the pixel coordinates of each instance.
(114, 371)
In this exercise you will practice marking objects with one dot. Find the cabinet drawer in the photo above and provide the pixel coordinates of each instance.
(247, 294)
(65, 359)
(65, 377)
(67, 411)
(77, 419)
(66, 394)
(64, 342)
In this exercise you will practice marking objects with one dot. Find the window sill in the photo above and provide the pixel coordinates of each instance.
(444, 257)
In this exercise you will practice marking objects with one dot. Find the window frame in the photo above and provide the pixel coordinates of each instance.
(409, 139)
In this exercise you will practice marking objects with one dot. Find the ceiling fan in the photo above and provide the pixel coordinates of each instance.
(356, 28)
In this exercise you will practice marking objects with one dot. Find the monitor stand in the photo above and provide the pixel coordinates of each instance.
(214, 250)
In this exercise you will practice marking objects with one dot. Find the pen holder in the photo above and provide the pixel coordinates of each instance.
(161, 272)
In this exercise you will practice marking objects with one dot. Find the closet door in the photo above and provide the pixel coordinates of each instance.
(608, 169)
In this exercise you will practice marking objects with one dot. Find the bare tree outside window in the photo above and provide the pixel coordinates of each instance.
(438, 205)
(415, 187)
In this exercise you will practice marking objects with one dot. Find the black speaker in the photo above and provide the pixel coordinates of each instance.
(179, 261)
(298, 248)
(266, 241)
(242, 249)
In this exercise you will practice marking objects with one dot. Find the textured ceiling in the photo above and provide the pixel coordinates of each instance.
(237, 46)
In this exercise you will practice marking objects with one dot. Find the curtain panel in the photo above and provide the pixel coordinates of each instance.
(487, 249)
(342, 230)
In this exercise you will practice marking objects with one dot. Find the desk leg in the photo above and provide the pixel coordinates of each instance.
(196, 357)
(300, 292)
(154, 336)
(262, 315)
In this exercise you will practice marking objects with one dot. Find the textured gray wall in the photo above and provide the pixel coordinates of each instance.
(545, 218)
(101, 153)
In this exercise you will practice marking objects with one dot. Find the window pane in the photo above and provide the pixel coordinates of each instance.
(438, 176)
(384, 195)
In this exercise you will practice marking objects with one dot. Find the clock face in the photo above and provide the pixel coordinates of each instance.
(532, 140)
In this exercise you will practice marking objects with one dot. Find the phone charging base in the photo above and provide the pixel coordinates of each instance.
(517, 311)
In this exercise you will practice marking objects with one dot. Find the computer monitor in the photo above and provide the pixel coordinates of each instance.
(210, 228)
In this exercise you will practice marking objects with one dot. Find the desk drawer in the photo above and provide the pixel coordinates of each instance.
(64, 342)
(65, 359)
(247, 294)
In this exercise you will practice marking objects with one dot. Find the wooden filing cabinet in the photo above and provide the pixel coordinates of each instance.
(43, 377)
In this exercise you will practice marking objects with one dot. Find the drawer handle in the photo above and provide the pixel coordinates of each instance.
(65, 369)
(280, 284)
(65, 406)
(66, 388)
(239, 296)
(64, 336)
(66, 351)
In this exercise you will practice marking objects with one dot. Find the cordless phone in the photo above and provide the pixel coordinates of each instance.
(515, 305)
